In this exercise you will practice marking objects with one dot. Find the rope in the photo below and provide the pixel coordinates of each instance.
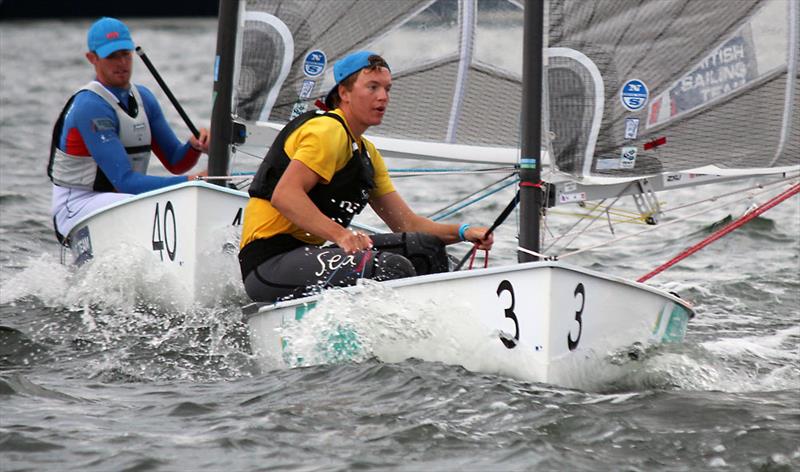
(584, 230)
(677, 220)
(723, 231)
(236, 175)
(497, 222)
(248, 154)
(417, 172)
(534, 253)
(734, 192)
(468, 203)
(622, 215)
(739, 192)
(474, 251)
(460, 204)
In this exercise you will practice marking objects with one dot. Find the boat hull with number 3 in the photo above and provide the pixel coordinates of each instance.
(618, 113)
(563, 322)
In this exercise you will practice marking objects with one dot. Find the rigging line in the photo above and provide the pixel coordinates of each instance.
(242, 184)
(610, 224)
(622, 214)
(723, 231)
(235, 175)
(662, 225)
(592, 220)
(466, 204)
(534, 253)
(401, 175)
(628, 214)
(728, 194)
(433, 171)
(764, 186)
(438, 170)
(743, 194)
(633, 219)
(592, 230)
(248, 154)
(619, 195)
(457, 202)
(497, 222)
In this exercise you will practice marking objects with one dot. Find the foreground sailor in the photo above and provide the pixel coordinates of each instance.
(103, 137)
(318, 174)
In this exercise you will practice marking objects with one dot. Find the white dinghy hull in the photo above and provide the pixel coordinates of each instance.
(180, 226)
(560, 321)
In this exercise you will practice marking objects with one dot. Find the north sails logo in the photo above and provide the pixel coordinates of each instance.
(112, 35)
(314, 63)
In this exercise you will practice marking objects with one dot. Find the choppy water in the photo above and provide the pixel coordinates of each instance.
(100, 371)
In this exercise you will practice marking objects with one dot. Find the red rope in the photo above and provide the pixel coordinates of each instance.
(485, 257)
(723, 231)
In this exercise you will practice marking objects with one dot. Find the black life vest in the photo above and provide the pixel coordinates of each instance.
(343, 197)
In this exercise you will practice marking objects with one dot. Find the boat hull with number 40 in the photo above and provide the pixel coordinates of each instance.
(182, 227)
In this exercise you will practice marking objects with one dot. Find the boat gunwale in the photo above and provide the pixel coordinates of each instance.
(254, 309)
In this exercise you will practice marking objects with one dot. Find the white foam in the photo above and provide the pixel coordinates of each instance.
(42, 277)
(121, 279)
(770, 347)
(394, 329)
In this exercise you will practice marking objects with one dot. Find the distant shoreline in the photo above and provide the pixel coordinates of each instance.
(36, 9)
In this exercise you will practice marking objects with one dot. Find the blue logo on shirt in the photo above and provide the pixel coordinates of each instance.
(314, 63)
(634, 95)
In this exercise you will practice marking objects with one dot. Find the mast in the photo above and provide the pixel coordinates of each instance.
(221, 123)
(530, 192)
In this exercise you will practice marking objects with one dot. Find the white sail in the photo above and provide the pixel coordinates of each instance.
(633, 89)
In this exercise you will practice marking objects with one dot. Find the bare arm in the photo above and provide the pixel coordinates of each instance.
(290, 197)
(395, 212)
(202, 142)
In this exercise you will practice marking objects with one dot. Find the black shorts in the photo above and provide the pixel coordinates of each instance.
(307, 269)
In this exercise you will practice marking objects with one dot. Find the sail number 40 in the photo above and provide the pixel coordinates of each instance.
(166, 240)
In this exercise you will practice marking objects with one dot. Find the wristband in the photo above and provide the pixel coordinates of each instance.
(462, 230)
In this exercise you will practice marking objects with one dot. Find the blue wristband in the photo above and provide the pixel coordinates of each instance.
(462, 230)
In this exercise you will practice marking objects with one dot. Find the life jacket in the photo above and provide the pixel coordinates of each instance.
(82, 172)
(343, 197)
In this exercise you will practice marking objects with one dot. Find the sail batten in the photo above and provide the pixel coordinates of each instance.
(791, 91)
(467, 15)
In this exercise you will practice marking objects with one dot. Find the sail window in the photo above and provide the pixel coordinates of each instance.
(266, 39)
(429, 36)
(499, 28)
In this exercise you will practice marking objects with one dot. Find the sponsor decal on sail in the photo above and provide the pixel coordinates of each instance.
(744, 57)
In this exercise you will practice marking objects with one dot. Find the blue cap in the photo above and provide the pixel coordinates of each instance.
(108, 35)
(347, 66)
